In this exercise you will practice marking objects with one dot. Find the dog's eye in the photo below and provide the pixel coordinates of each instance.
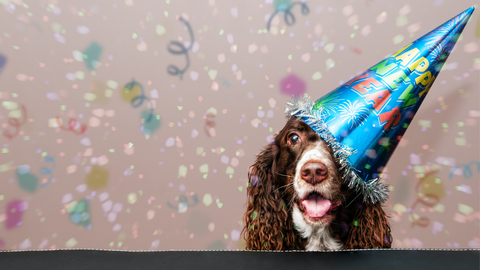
(293, 139)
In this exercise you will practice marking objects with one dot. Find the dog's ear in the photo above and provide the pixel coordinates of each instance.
(266, 223)
(369, 228)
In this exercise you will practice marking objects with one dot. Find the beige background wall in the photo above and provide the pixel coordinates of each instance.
(183, 185)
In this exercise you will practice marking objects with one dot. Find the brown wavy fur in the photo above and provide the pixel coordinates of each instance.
(268, 223)
(369, 229)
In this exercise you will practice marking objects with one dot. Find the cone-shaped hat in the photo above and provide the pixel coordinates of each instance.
(364, 119)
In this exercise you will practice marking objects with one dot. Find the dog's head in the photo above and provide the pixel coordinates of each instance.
(304, 163)
(295, 186)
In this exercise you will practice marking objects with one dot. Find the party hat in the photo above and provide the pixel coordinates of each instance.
(364, 119)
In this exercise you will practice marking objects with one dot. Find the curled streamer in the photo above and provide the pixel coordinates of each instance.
(184, 199)
(16, 124)
(421, 221)
(467, 172)
(181, 49)
(288, 17)
(47, 171)
(209, 126)
(138, 100)
(72, 123)
(429, 200)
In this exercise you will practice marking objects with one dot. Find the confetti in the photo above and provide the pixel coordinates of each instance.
(182, 171)
(465, 209)
(79, 212)
(3, 62)
(67, 198)
(132, 198)
(25, 244)
(234, 12)
(97, 178)
(82, 29)
(26, 180)
(71, 243)
(381, 18)
(402, 21)
(193, 75)
(235, 235)
(292, 85)
(92, 54)
(212, 74)
(160, 30)
(14, 212)
(252, 48)
(105, 118)
(317, 76)
(204, 167)
(150, 214)
(207, 199)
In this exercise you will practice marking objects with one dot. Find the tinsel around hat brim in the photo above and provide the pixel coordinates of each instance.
(372, 190)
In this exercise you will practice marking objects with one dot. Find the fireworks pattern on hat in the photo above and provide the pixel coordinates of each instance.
(353, 113)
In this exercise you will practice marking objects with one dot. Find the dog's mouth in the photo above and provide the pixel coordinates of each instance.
(315, 206)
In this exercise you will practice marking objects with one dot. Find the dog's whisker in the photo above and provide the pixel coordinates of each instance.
(283, 174)
(334, 222)
(293, 197)
(284, 186)
(286, 189)
(353, 200)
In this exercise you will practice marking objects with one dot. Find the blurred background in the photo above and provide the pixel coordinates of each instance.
(131, 124)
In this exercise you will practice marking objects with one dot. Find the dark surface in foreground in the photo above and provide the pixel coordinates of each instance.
(354, 260)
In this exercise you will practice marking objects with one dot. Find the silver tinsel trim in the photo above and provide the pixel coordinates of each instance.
(373, 190)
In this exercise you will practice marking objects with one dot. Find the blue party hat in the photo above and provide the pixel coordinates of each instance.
(364, 119)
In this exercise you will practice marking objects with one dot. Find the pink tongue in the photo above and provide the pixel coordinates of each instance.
(316, 205)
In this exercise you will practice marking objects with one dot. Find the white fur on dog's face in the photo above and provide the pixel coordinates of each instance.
(319, 237)
(318, 152)
(316, 230)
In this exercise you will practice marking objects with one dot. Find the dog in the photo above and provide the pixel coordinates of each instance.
(298, 201)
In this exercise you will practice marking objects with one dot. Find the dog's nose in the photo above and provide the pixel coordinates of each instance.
(314, 172)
